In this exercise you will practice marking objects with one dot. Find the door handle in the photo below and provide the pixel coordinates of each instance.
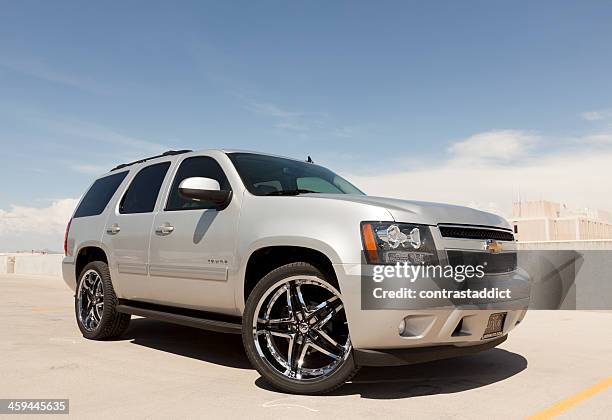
(113, 229)
(165, 229)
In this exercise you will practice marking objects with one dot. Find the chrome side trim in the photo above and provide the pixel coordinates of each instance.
(195, 273)
(132, 268)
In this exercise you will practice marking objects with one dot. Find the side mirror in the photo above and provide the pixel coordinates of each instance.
(204, 189)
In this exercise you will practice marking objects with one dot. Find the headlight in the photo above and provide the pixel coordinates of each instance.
(389, 243)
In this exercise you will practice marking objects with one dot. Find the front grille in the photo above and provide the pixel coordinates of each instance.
(475, 233)
(503, 262)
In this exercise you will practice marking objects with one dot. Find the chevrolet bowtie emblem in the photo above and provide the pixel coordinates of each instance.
(492, 246)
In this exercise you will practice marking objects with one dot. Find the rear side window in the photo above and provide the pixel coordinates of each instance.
(142, 193)
(198, 166)
(99, 195)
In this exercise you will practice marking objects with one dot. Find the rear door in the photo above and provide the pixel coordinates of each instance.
(128, 230)
(193, 244)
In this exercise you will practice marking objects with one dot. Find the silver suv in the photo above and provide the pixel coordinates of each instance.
(274, 249)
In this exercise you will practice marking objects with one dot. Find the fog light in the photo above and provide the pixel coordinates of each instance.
(416, 326)
(402, 327)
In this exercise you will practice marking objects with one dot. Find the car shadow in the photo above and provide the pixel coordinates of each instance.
(207, 346)
(439, 377)
(432, 378)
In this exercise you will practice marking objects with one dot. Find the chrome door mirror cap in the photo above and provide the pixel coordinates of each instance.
(199, 183)
(204, 189)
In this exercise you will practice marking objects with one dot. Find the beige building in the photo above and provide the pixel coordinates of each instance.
(548, 221)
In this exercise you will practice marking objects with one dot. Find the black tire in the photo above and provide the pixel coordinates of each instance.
(112, 324)
(342, 373)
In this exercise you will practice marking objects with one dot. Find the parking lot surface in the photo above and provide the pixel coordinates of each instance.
(555, 362)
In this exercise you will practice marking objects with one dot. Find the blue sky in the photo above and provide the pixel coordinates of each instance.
(368, 88)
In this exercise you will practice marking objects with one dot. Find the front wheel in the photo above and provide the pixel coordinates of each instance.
(295, 331)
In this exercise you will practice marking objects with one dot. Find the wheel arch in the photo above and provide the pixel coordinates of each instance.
(87, 254)
(263, 258)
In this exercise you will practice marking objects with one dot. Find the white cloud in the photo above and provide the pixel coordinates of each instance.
(598, 138)
(601, 114)
(31, 219)
(35, 228)
(497, 145)
(581, 178)
(591, 115)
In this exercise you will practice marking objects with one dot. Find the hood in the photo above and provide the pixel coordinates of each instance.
(423, 212)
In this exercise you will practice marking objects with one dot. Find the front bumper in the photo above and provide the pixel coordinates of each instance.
(430, 327)
(409, 356)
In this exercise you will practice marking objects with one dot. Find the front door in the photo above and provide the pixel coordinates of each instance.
(193, 244)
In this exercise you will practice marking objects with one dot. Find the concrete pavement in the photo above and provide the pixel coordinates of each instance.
(160, 370)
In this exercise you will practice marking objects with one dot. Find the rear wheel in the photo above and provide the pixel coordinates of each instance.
(95, 304)
(295, 331)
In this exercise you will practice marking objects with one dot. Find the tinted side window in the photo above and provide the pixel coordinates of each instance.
(199, 166)
(99, 195)
(144, 189)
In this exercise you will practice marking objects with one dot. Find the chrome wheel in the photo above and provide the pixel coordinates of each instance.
(90, 300)
(300, 329)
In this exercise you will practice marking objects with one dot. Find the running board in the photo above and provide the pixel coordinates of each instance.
(182, 319)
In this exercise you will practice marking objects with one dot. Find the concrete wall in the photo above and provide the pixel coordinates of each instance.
(48, 265)
(585, 245)
(565, 229)
(561, 229)
(548, 221)
(532, 229)
(531, 209)
(3, 264)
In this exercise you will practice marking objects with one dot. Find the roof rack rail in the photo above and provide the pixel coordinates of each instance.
(167, 153)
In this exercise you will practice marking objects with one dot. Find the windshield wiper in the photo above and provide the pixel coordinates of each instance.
(290, 192)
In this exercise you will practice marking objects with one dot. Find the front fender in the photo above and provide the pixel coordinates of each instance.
(281, 240)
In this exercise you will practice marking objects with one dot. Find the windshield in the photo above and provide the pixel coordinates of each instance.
(269, 175)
